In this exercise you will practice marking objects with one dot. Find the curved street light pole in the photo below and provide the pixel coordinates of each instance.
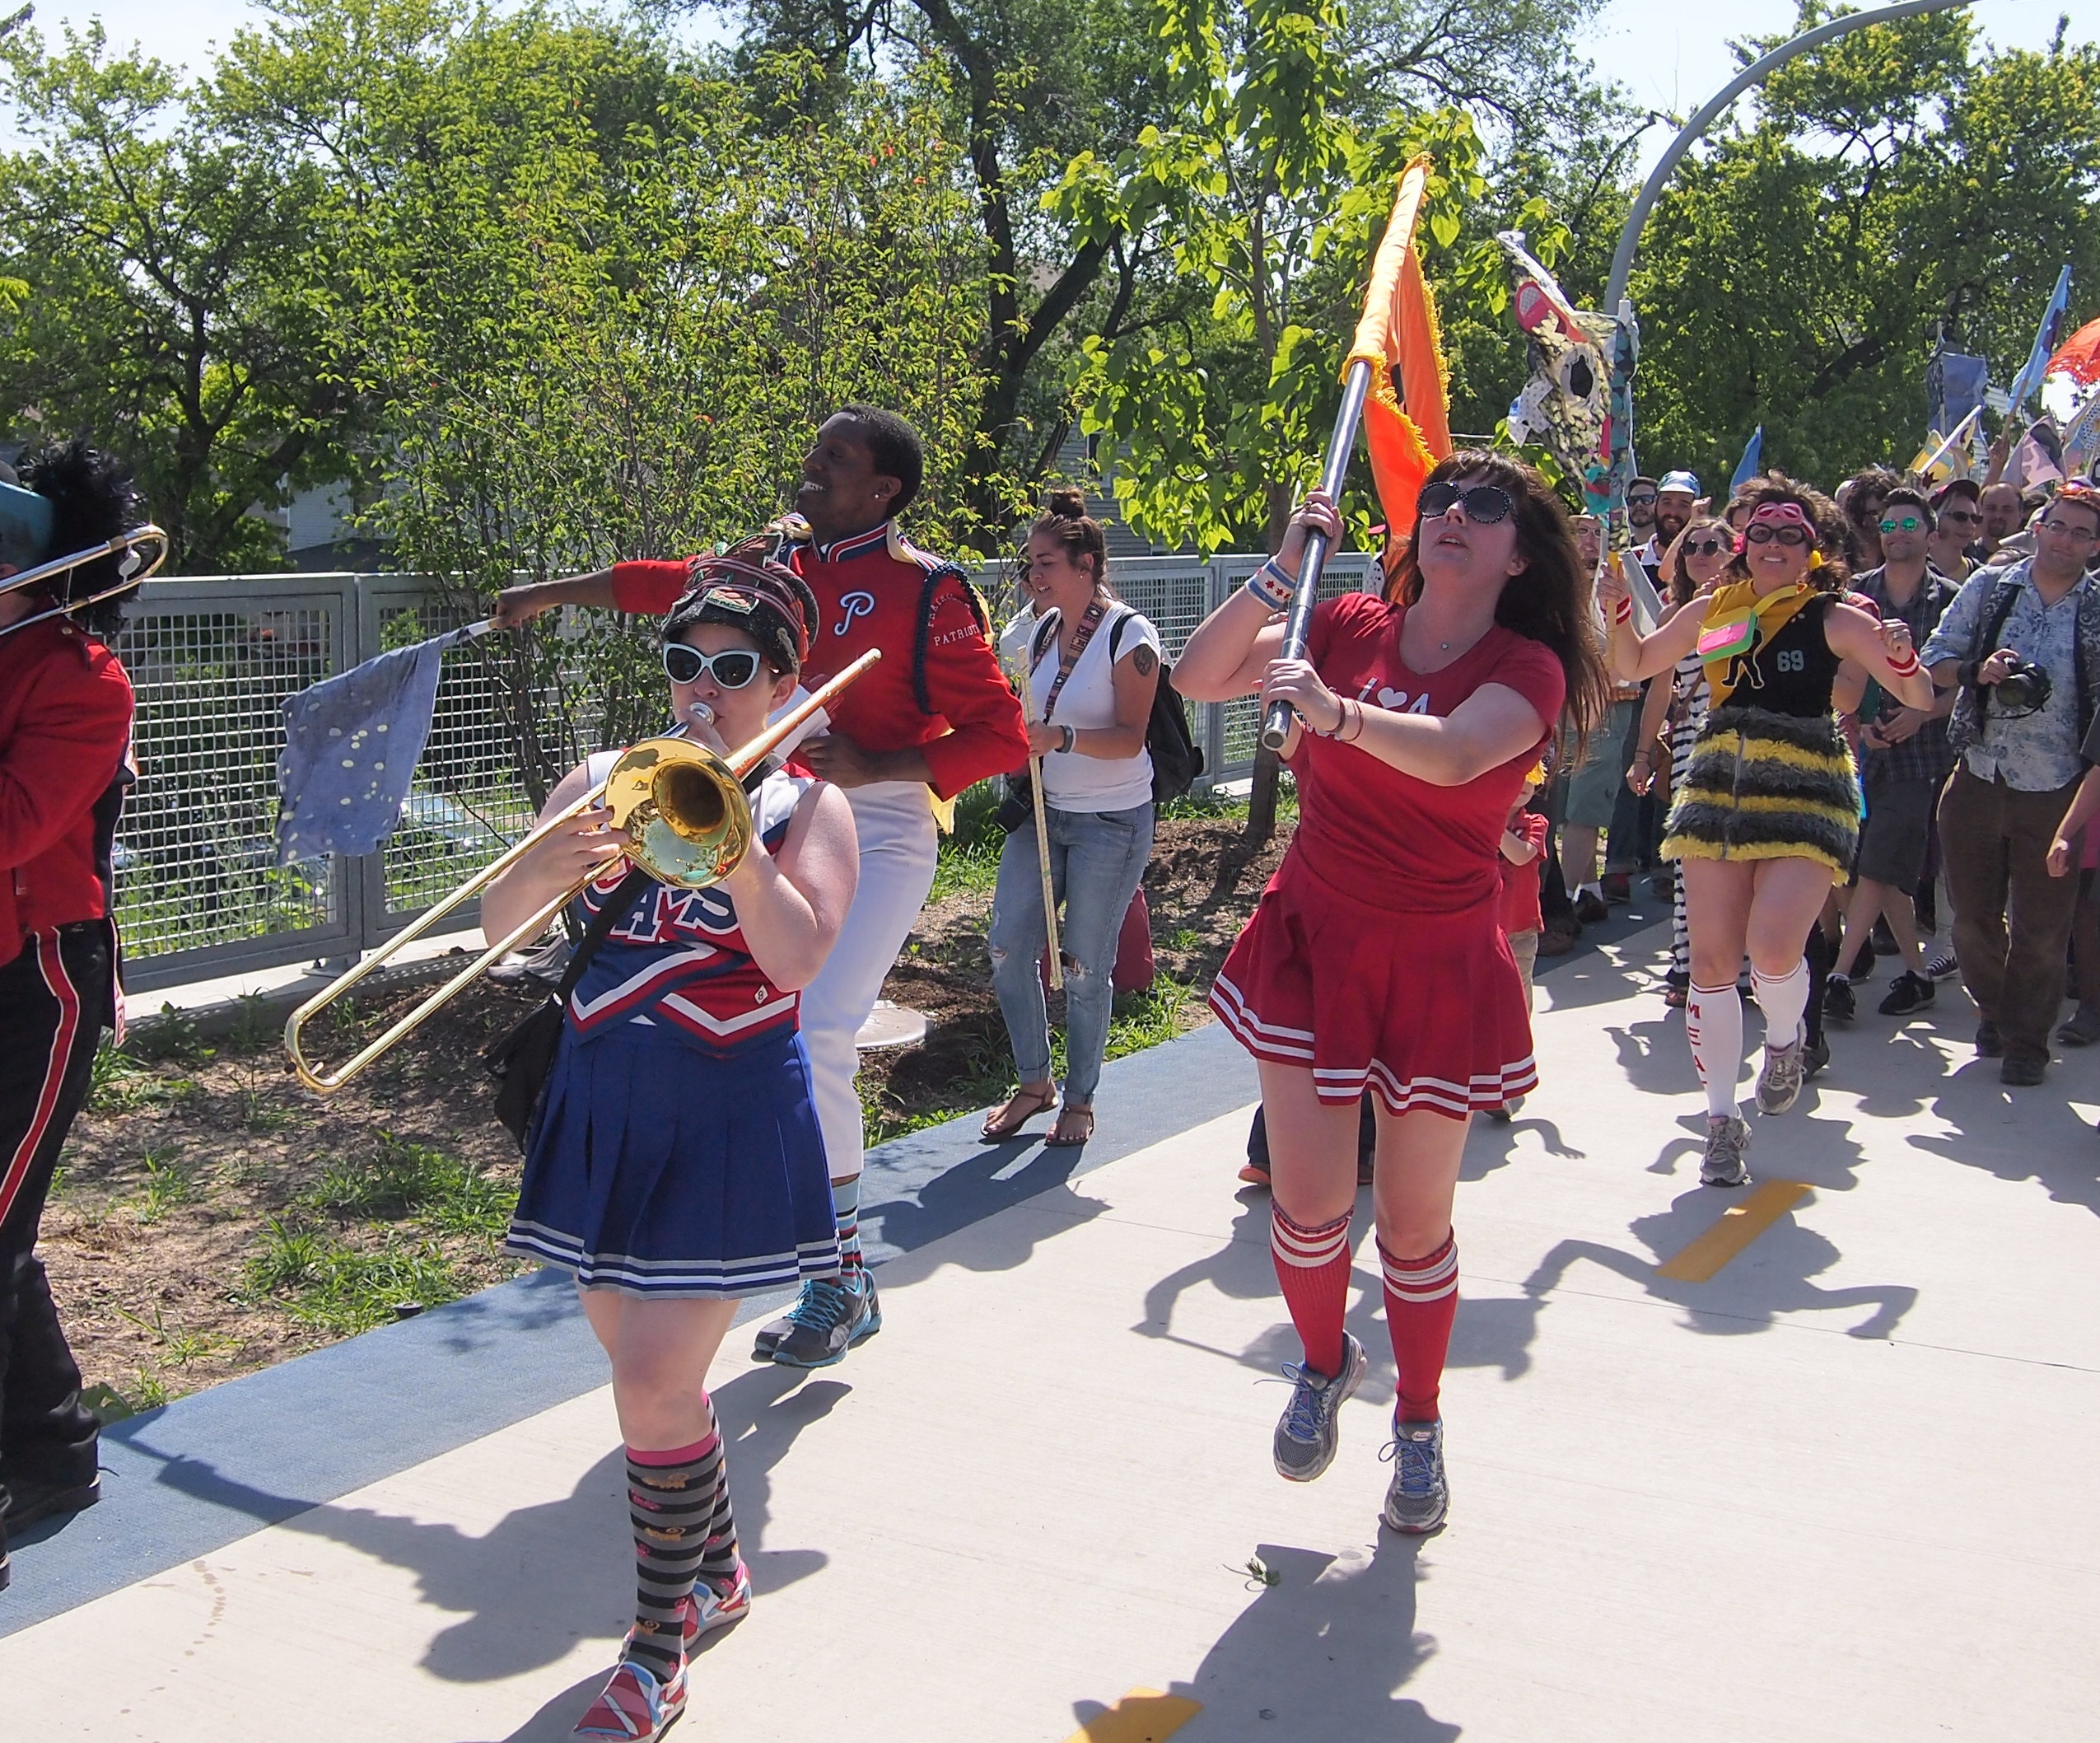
(1753, 74)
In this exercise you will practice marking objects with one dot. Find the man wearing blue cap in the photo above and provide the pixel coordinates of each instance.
(65, 733)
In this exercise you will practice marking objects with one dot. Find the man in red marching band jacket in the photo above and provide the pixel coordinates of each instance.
(65, 735)
(934, 716)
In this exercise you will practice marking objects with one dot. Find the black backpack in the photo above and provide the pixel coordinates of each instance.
(1177, 758)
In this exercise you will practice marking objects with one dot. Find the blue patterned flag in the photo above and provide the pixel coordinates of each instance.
(351, 744)
(1752, 463)
(2027, 382)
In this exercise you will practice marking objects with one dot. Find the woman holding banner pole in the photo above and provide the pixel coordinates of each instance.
(1092, 666)
(1375, 959)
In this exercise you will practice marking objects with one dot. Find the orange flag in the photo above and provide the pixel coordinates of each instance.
(1406, 424)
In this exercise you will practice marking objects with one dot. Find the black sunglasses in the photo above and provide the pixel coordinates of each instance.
(1640, 498)
(732, 668)
(1792, 535)
(1706, 547)
(1485, 503)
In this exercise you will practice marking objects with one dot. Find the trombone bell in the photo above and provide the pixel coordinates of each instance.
(682, 809)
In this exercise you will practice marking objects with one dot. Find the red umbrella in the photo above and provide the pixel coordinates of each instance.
(2078, 356)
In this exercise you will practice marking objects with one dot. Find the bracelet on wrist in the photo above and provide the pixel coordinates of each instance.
(1906, 667)
(1268, 585)
(1070, 738)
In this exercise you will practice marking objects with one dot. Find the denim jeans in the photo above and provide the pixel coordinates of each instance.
(1097, 859)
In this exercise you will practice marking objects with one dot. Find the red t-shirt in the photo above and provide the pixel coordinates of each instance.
(65, 724)
(868, 589)
(1393, 840)
(1520, 883)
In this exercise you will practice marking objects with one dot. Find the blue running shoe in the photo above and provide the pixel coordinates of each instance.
(1419, 1498)
(1306, 1436)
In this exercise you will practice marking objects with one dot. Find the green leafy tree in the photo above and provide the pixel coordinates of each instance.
(169, 304)
(1899, 183)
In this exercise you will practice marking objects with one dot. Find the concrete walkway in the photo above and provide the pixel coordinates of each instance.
(1841, 1489)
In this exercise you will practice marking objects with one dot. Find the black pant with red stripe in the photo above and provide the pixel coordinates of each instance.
(54, 998)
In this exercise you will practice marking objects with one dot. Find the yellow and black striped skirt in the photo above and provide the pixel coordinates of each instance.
(1765, 786)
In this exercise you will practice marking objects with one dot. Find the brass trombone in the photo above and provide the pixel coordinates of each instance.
(130, 573)
(686, 822)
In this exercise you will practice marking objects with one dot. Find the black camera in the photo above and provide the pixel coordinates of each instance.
(2025, 690)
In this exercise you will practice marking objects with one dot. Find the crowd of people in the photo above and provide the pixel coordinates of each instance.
(1843, 702)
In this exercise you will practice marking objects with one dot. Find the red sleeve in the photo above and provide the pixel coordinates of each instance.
(649, 589)
(68, 739)
(1531, 828)
(968, 691)
(1534, 671)
(1331, 616)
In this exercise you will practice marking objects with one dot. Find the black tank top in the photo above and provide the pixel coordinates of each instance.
(1791, 674)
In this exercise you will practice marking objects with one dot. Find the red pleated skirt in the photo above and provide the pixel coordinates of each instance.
(1426, 1010)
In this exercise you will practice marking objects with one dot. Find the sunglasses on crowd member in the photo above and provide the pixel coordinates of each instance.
(1901, 524)
(1714, 547)
(732, 668)
(1640, 498)
(1961, 517)
(1762, 534)
(1485, 503)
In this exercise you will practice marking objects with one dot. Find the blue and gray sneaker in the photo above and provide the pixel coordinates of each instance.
(1305, 1438)
(828, 1320)
(1419, 1497)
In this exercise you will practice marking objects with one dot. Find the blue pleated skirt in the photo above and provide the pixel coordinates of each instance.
(662, 1171)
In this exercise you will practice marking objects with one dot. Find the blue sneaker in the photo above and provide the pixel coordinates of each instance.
(1419, 1498)
(1306, 1436)
(827, 1321)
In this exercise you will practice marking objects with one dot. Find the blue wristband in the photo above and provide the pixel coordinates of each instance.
(1267, 585)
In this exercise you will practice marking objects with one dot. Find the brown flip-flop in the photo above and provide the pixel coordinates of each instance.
(1055, 1142)
(1009, 1119)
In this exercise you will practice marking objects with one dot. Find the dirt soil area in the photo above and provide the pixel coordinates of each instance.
(213, 1218)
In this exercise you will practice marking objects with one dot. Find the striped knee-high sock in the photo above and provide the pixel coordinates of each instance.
(671, 1498)
(719, 1563)
(1421, 1299)
(845, 1213)
(1313, 1266)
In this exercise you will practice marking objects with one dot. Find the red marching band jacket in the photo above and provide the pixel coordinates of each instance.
(65, 727)
(870, 593)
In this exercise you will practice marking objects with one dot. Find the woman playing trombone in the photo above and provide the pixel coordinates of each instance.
(676, 1165)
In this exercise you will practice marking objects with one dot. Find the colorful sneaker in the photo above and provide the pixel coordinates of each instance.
(635, 1707)
(708, 1610)
(1306, 1434)
(1941, 966)
(1419, 1497)
(1778, 1084)
(827, 1321)
(1907, 993)
(1727, 1145)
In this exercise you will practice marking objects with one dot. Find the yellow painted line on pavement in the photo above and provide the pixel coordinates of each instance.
(1740, 1225)
(1142, 1716)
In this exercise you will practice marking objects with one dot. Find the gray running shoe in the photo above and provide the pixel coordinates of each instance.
(827, 1321)
(1727, 1145)
(1419, 1497)
(1306, 1435)
(1778, 1084)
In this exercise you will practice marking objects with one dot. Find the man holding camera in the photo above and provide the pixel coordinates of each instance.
(2022, 645)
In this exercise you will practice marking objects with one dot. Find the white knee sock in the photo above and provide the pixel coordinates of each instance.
(1713, 1023)
(1782, 1001)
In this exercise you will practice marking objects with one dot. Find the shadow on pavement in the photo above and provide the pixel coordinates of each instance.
(1322, 1654)
(1490, 1332)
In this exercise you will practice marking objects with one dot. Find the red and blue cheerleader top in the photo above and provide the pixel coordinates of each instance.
(679, 960)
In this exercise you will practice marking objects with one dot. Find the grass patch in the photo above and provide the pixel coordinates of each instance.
(170, 1181)
(443, 1194)
(969, 859)
(329, 1283)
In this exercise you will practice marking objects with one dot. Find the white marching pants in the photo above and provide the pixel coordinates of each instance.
(898, 848)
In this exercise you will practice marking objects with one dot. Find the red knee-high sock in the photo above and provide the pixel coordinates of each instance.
(1422, 1296)
(1313, 1266)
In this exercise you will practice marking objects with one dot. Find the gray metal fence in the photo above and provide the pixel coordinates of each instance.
(199, 893)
